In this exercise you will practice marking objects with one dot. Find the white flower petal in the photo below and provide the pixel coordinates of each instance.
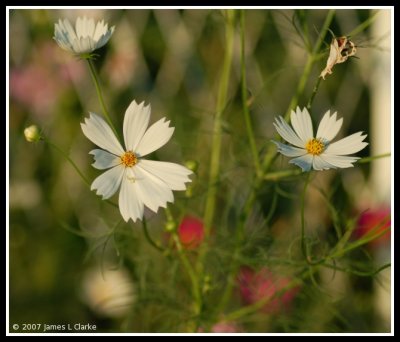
(68, 29)
(287, 133)
(305, 162)
(349, 145)
(130, 204)
(105, 38)
(135, 123)
(156, 136)
(339, 161)
(328, 127)
(174, 175)
(84, 27)
(104, 159)
(302, 125)
(84, 38)
(83, 45)
(152, 191)
(64, 34)
(100, 133)
(320, 164)
(289, 151)
(101, 29)
(108, 182)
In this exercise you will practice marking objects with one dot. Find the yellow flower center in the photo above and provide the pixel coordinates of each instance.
(129, 159)
(315, 147)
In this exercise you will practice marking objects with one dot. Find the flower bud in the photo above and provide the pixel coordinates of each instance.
(32, 133)
(192, 165)
(170, 226)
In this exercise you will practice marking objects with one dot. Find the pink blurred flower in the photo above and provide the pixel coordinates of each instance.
(191, 232)
(34, 87)
(39, 83)
(374, 221)
(255, 286)
(223, 327)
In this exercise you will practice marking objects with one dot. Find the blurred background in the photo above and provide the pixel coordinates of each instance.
(70, 258)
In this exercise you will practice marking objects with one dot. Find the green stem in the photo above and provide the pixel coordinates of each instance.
(237, 250)
(303, 200)
(191, 272)
(217, 131)
(96, 82)
(67, 157)
(278, 175)
(372, 158)
(246, 113)
(356, 272)
(216, 143)
(148, 237)
(358, 243)
(195, 279)
(315, 90)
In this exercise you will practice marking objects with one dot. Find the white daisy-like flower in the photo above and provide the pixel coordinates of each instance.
(143, 182)
(85, 38)
(317, 152)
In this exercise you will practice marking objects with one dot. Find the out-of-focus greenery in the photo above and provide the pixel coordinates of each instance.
(59, 229)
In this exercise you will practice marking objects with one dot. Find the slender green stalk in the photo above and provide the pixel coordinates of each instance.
(356, 272)
(191, 272)
(246, 113)
(358, 243)
(303, 200)
(315, 90)
(217, 131)
(237, 251)
(67, 157)
(148, 237)
(372, 158)
(96, 82)
(278, 175)
(195, 278)
(216, 143)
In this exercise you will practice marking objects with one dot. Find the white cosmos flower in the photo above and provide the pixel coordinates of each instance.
(317, 152)
(85, 38)
(143, 182)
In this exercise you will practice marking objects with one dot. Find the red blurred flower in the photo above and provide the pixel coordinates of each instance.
(191, 232)
(255, 286)
(373, 222)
